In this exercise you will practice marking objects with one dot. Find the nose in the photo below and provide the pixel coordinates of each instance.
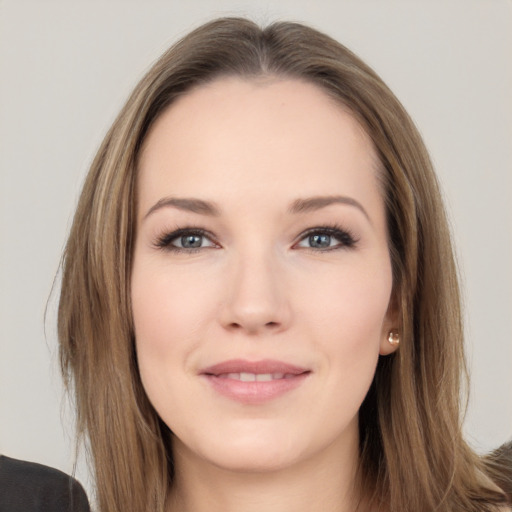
(255, 296)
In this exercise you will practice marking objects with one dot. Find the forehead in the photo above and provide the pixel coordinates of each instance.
(276, 136)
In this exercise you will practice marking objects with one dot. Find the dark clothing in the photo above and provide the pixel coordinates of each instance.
(30, 487)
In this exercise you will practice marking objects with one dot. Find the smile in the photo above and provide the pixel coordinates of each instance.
(254, 382)
(259, 377)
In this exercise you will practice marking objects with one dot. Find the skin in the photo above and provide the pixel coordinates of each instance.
(257, 289)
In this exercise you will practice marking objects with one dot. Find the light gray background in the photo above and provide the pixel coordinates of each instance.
(66, 68)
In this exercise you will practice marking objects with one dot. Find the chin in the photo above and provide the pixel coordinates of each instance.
(250, 457)
(257, 448)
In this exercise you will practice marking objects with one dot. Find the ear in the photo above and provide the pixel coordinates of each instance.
(390, 335)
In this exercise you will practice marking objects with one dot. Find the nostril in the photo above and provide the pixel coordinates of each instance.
(237, 326)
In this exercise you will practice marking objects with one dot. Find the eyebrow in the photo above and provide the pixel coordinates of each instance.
(186, 204)
(317, 202)
(209, 208)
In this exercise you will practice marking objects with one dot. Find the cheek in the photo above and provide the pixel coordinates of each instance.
(346, 322)
(345, 313)
(168, 312)
(349, 303)
(167, 306)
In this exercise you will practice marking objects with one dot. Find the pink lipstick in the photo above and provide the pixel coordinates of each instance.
(254, 382)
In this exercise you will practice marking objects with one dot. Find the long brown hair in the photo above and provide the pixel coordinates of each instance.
(413, 456)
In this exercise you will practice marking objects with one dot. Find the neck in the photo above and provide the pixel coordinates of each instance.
(323, 483)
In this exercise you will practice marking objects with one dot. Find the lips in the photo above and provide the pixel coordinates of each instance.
(254, 382)
(255, 377)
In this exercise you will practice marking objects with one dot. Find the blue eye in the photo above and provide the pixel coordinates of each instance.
(327, 238)
(320, 241)
(189, 241)
(185, 240)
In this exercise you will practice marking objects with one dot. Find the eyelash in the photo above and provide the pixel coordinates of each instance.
(164, 241)
(346, 238)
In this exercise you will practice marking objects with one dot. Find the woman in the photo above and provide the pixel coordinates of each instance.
(259, 306)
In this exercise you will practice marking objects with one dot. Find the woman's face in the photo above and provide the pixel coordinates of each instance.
(261, 276)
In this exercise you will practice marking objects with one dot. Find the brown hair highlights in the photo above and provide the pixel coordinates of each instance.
(413, 456)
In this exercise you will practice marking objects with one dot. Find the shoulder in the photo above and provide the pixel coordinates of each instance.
(31, 487)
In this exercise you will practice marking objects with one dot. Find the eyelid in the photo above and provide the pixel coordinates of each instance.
(347, 239)
(164, 241)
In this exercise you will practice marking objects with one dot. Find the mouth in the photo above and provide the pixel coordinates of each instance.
(255, 377)
(254, 382)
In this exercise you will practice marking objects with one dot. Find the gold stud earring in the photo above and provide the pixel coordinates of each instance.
(394, 338)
